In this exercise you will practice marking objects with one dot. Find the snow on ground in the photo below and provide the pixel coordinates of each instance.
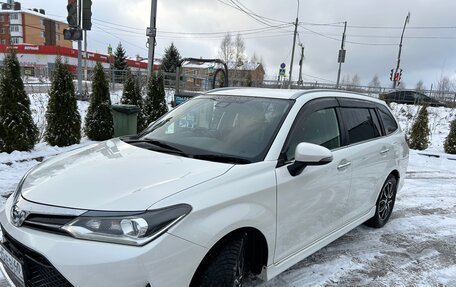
(439, 122)
(416, 248)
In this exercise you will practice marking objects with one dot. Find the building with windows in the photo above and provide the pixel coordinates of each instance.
(33, 27)
(199, 76)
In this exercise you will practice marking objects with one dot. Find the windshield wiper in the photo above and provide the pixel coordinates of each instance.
(159, 144)
(222, 158)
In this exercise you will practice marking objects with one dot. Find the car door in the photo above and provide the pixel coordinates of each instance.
(370, 154)
(311, 204)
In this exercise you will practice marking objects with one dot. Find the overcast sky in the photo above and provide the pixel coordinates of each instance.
(428, 47)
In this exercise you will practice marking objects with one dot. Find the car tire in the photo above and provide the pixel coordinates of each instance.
(385, 203)
(226, 267)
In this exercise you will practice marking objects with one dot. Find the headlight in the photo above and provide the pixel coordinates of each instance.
(126, 227)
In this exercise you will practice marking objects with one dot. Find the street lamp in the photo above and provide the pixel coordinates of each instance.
(396, 74)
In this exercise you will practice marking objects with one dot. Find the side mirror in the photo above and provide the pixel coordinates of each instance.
(309, 154)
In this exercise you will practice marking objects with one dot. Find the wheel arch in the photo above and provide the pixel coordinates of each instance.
(257, 248)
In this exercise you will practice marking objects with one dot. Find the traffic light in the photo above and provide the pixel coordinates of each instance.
(72, 8)
(87, 14)
(400, 74)
(391, 74)
(72, 34)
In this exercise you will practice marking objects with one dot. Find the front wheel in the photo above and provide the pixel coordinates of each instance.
(385, 203)
(226, 267)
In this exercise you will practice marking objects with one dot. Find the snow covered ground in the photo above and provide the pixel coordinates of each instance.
(416, 248)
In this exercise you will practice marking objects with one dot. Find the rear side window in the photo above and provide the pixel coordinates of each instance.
(360, 124)
(389, 123)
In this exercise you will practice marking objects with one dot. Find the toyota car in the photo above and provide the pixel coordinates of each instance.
(234, 183)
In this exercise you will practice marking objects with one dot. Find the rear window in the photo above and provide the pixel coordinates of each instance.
(360, 124)
(389, 123)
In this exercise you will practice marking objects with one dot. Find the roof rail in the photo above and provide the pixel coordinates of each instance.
(301, 93)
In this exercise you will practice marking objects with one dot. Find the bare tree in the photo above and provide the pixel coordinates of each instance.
(355, 83)
(239, 50)
(444, 86)
(226, 52)
(420, 86)
(374, 85)
(345, 81)
(254, 58)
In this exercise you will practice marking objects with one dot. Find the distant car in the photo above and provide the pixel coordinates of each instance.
(230, 183)
(411, 97)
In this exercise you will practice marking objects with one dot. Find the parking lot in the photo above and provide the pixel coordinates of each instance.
(416, 248)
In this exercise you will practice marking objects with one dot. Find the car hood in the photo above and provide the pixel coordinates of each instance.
(116, 176)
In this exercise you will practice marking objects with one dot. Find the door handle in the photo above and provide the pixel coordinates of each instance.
(384, 151)
(344, 165)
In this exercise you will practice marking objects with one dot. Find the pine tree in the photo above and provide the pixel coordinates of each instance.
(419, 134)
(17, 129)
(450, 141)
(98, 123)
(120, 62)
(155, 103)
(132, 96)
(62, 115)
(171, 59)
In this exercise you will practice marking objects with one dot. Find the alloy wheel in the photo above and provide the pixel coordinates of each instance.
(385, 205)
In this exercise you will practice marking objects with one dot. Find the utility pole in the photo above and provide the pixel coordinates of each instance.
(301, 62)
(79, 49)
(293, 48)
(341, 58)
(151, 33)
(396, 74)
(85, 58)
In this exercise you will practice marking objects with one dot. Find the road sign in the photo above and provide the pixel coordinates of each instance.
(283, 65)
(341, 58)
(282, 72)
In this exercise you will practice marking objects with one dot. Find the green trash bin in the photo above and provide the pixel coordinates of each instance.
(125, 119)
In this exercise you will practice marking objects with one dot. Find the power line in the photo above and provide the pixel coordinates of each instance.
(351, 42)
(134, 45)
(246, 31)
(259, 16)
(239, 6)
(339, 24)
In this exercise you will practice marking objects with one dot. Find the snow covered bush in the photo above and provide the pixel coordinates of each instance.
(450, 141)
(155, 103)
(62, 115)
(17, 129)
(419, 134)
(132, 96)
(98, 122)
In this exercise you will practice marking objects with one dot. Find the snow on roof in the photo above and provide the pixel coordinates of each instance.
(247, 66)
(193, 65)
(31, 12)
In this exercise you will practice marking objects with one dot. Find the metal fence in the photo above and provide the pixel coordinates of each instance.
(41, 83)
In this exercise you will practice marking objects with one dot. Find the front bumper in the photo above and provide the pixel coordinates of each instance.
(166, 261)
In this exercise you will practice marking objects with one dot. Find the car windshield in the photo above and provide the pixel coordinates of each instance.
(219, 128)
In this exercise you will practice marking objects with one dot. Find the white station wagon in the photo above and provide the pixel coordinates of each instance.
(232, 183)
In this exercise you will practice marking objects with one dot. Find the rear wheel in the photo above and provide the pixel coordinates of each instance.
(226, 267)
(385, 203)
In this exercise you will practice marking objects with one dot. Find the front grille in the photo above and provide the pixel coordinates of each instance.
(48, 223)
(38, 271)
